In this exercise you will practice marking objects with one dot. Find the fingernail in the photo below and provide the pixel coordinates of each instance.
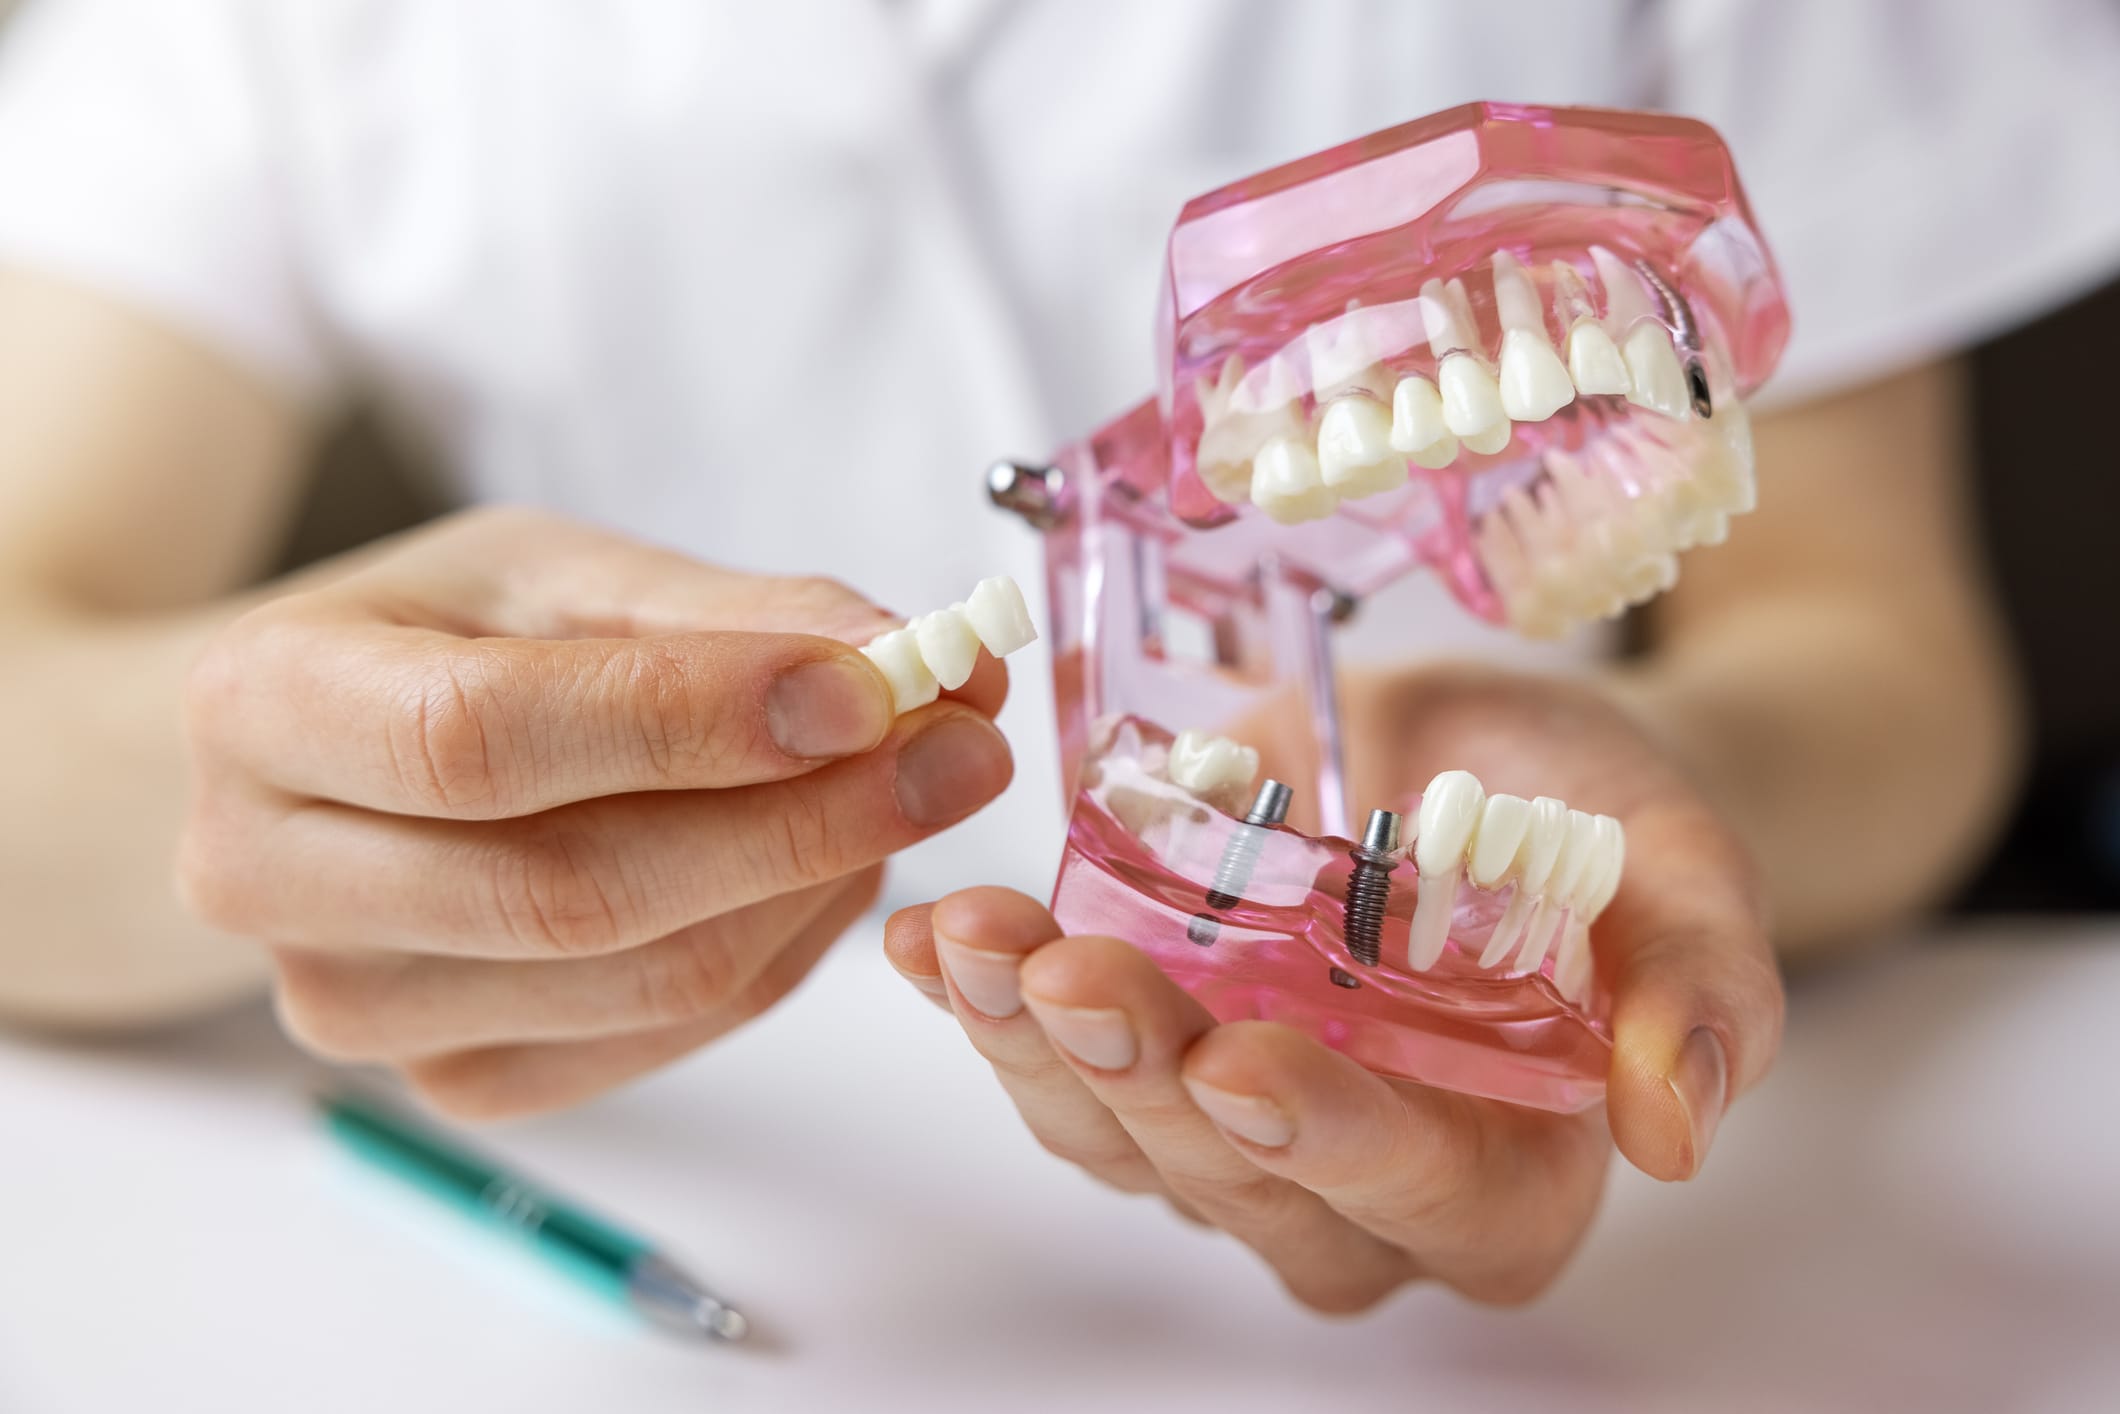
(1252, 1117)
(951, 769)
(832, 707)
(1102, 1037)
(985, 979)
(1700, 1077)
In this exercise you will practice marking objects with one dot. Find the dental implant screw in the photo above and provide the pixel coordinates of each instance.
(1369, 886)
(1240, 856)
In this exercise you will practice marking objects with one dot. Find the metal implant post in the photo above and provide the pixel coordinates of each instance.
(1240, 855)
(1369, 886)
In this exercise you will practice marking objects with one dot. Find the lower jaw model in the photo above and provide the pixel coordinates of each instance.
(1506, 344)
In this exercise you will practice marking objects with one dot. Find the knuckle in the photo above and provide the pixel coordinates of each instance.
(560, 891)
(791, 844)
(442, 745)
(685, 979)
(680, 734)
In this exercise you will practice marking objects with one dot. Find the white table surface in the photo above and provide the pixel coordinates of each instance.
(1921, 1210)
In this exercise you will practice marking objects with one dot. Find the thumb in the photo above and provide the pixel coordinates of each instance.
(1697, 999)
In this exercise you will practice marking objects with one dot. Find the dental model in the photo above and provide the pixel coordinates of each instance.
(936, 652)
(1508, 345)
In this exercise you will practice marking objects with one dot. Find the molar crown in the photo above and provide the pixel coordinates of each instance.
(1205, 764)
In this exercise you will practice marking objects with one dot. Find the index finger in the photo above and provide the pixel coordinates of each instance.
(415, 721)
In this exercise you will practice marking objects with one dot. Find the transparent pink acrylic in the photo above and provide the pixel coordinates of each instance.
(1174, 609)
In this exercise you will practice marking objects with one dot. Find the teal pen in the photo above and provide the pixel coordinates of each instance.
(614, 1262)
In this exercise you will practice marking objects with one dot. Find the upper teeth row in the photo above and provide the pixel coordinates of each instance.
(1255, 444)
(939, 650)
(1564, 863)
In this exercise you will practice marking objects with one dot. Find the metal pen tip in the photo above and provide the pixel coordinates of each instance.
(722, 1322)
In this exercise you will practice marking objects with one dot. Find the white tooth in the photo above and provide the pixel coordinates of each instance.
(1232, 431)
(1541, 538)
(1612, 852)
(1538, 936)
(1516, 304)
(1497, 846)
(1447, 316)
(1492, 440)
(1346, 353)
(1508, 928)
(1543, 839)
(1579, 850)
(1497, 838)
(1502, 556)
(1722, 471)
(1203, 763)
(1594, 362)
(1450, 812)
(1572, 965)
(1534, 384)
(1653, 368)
(1626, 297)
(1571, 294)
(897, 656)
(1472, 403)
(999, 616)
(1417, 425)
(1355, 457)
(948, 645)
(1286, 483)
(1585, 497)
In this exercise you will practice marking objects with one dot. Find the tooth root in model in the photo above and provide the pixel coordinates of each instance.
(1545, 832)
(1534, 382)
(1497, 846)
(1575, 967)
(1578, 851)
(1450, 812)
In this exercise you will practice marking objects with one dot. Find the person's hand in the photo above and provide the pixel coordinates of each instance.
(525, 809)
(1346, 1183)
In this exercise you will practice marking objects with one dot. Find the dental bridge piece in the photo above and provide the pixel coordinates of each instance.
(938, 651)
(1507, 345)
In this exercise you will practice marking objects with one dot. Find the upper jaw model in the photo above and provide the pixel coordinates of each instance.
(1507, 344)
